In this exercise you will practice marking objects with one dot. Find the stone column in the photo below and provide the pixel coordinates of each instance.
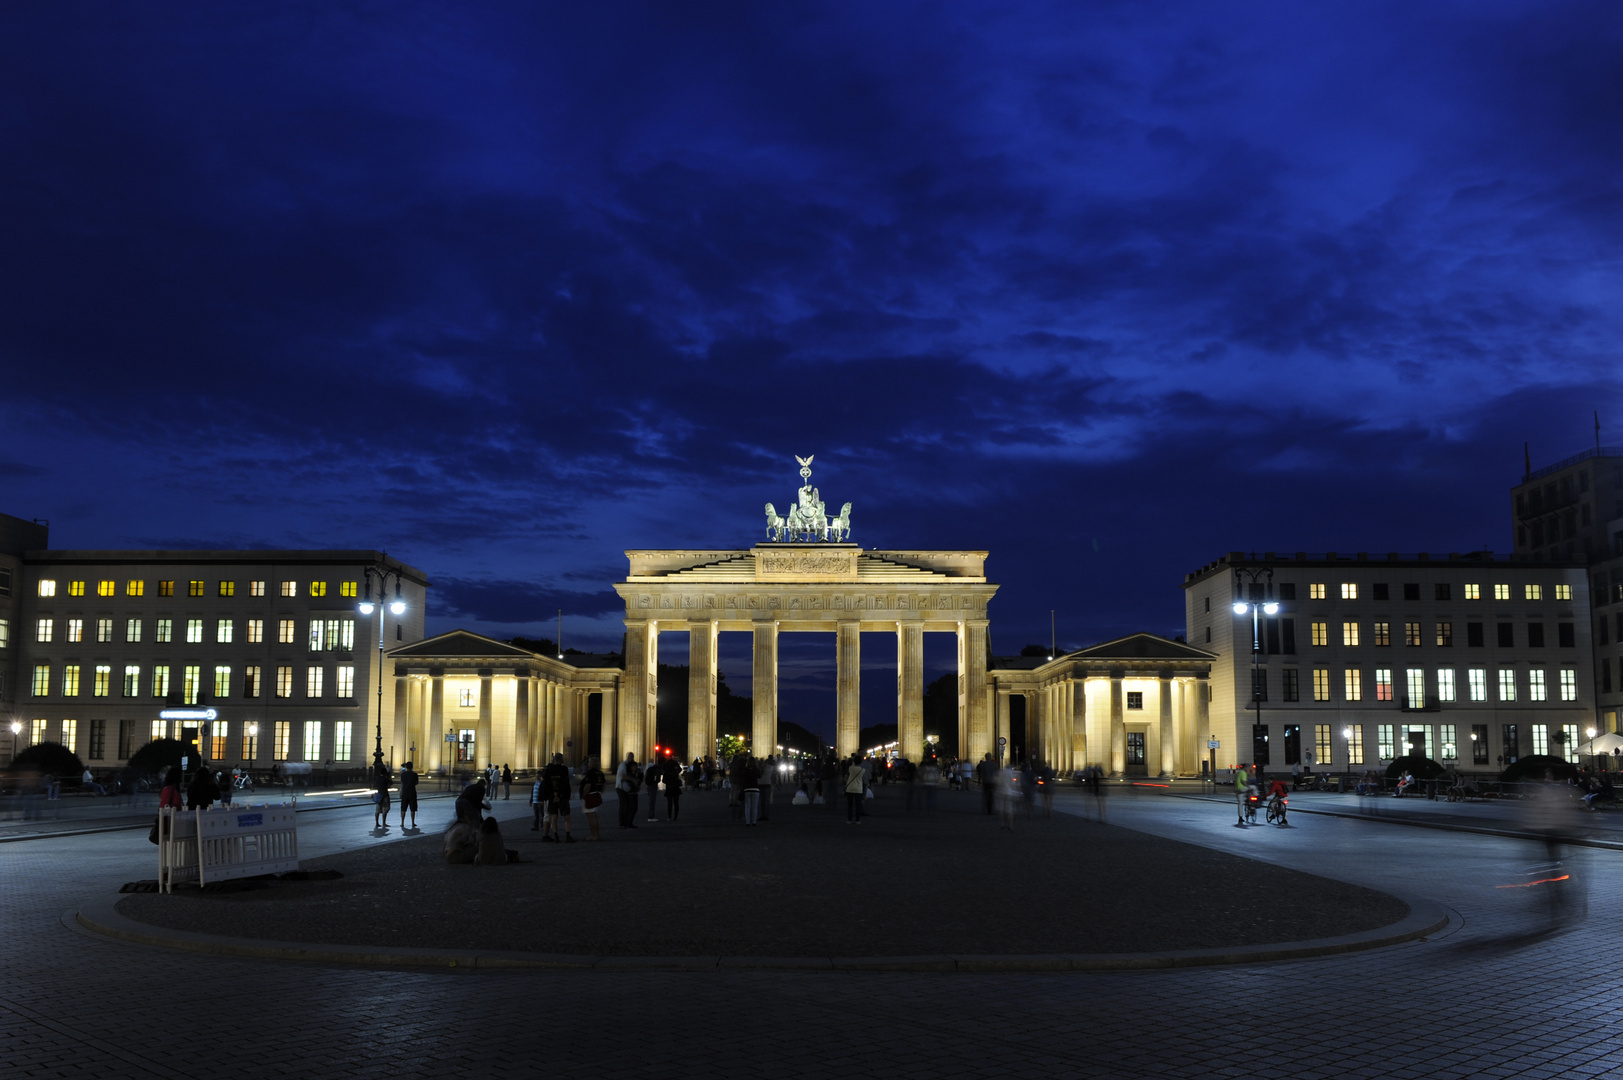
(981, 738)
(1169, 740)
(534, 720)
(1034, 732)
(1062, 727)
(1079, 723)
(650, 724)
(435, 737)
(998, 751)
(848, 686)
(486, 752)
(606, 748)
(402, 717)
(764, 688)
(701, 686)
(1118, 729)
(910, 712)
(521, 721)
(634, 702)
(1203, 718)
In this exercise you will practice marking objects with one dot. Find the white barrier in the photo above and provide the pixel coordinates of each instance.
(226, 842)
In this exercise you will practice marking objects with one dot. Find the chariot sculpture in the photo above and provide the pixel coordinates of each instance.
(807, 521)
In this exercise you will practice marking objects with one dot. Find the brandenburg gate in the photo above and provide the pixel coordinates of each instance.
(778, 588)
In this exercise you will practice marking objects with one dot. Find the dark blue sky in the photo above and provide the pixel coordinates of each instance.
(1107, 289)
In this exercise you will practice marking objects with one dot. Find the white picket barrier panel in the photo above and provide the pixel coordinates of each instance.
(226, 842)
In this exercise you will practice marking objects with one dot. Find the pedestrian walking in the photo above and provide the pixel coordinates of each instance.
(856, 785)
(592, 783)
(627, 782)
(408, 795)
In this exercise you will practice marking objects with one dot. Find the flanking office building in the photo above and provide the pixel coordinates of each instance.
(1471, 659)
(95, 644)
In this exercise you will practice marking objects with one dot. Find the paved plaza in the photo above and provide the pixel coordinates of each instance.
(1495, 994)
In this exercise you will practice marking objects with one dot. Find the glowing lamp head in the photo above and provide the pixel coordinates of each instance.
(16, 727)
(1240, 608)
(366, 607)
(1270, 609)
(397, 607)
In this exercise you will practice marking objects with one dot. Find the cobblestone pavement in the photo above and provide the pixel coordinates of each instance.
(1497, 995)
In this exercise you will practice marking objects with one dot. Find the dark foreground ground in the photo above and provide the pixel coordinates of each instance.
(803, 884)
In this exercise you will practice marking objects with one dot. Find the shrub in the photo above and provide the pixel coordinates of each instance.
(50, 757)
(1534, 766)
(157, 757)
(1423, 768)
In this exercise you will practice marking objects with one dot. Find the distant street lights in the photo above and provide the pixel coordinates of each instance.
(1263, 577)
(397, 607)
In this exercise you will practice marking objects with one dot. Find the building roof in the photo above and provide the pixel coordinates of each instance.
(1142, 646)
(461, 643)
(1453, 560)
(248, 557)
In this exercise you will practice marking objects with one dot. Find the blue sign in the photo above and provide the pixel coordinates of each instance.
(245, 820)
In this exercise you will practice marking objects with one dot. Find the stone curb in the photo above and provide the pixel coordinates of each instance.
(147, 824)
(1419, 823)
(102, 917)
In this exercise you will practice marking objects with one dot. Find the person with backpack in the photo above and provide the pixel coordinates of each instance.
(627, 782)
(592, 782)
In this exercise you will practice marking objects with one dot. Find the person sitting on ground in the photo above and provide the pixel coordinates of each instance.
(491, 850)
(461, 842)
(471, 802)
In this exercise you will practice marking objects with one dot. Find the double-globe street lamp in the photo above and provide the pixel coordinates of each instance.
(397, 607)
(1263, 576)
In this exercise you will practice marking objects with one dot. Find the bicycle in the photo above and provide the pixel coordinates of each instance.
(1276, 811)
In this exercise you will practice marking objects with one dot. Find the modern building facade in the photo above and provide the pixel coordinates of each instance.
(274, 642)
(1470, 659)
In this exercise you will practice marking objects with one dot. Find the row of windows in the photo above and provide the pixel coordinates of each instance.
(137, 587)
(217, 744)
(192, 681)
(1380, 634)
(1562, 737)
(1382, 686)
(1441, 590)
(324, 635)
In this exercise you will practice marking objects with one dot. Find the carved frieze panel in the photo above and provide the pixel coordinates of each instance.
(810, 565)
(665, 602)
(645, 600)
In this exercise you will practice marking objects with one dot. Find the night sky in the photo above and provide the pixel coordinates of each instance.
(1107, 289)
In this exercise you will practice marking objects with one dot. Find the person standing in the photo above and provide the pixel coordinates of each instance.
(380, 804)
(769, 774)
(929, 780)
(627, 781)
(986, 773)
(507, 781)
(1241, 790)
(655, 774)
(1007, 796)
(592, 783)
(408, 795)
(555, 789)
(673, 789)
(202, 792)
(749, 779)
(856, 783)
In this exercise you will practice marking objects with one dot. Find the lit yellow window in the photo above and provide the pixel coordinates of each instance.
(106, 588)
(1321, 633)
(135, 588)
(348, 588)
(1501, 592)
(1349, 633)
(1563, 592)
(1349, 590)
(1354, 685)
(76, 588)
(1316, 592)
(256, 588)
(1534, 592)
(1321, 684)
(290, 588)
(166, 588)
(194, 588)
(1473, 592)
(318, 588)
(47, 588)
(228, 588)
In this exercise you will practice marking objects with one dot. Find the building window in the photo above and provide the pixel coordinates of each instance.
(1135, 699)
(279, 740)
(228, 588)
(191, 684)
(1287, 627)
(1383, 684)
(76, 630)
(346, 680)
(135, 588)
(103, 686)
(1479, 744)
(1381, 591)
(43, 629)
(222, 681)
(1411, 634)
(1353, 685)
(1445, 684)
(163, 630)
(1415, 683)
(1451, 748)
(1441, 591)
(98, 740)
(70, 734)
(70, 680)
(1323, 749)
(1507, 635)
(1533, 592)
(224, 630)
(349, 588)
(5, 633)
(126, 739)
(1315, 591)
(312, 740)
(160, 681)
(1541, 739)
(194, 631)
(1259, 744)
(290, 588)
(342, 734)
(1569, 684)
(1476, 679)
(1501, 592)
(1349, 590)
(1564, 635)
(1321, 684)
(160, 729)
(1382, 632)
(76, 588)
(106, 588)
(346, 634)
(1355, 744)
(1321, 633)
(465, 699)
(315, 635)
(1473, 635)
(256, 631)
(132, 680)
(1507, 684)
(47, 588)
(284, 680)
(250, 681)
(218, 731)
(1569, 744)
(256, 588)
(312, 681)
(132, 630)
(194, 588)
(1411, 590)
(1563, 592)
(1383, 741)
(1473, 592)
(1291, 690)
(284, 631)
(1349, 633)
(166, 588)
(250, 741)
(1535, 685)
(42, 680)
(318, 588)
(1208, 634)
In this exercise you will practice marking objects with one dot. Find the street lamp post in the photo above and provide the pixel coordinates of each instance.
(397, 607)
(1265, 577)
(16, 730)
